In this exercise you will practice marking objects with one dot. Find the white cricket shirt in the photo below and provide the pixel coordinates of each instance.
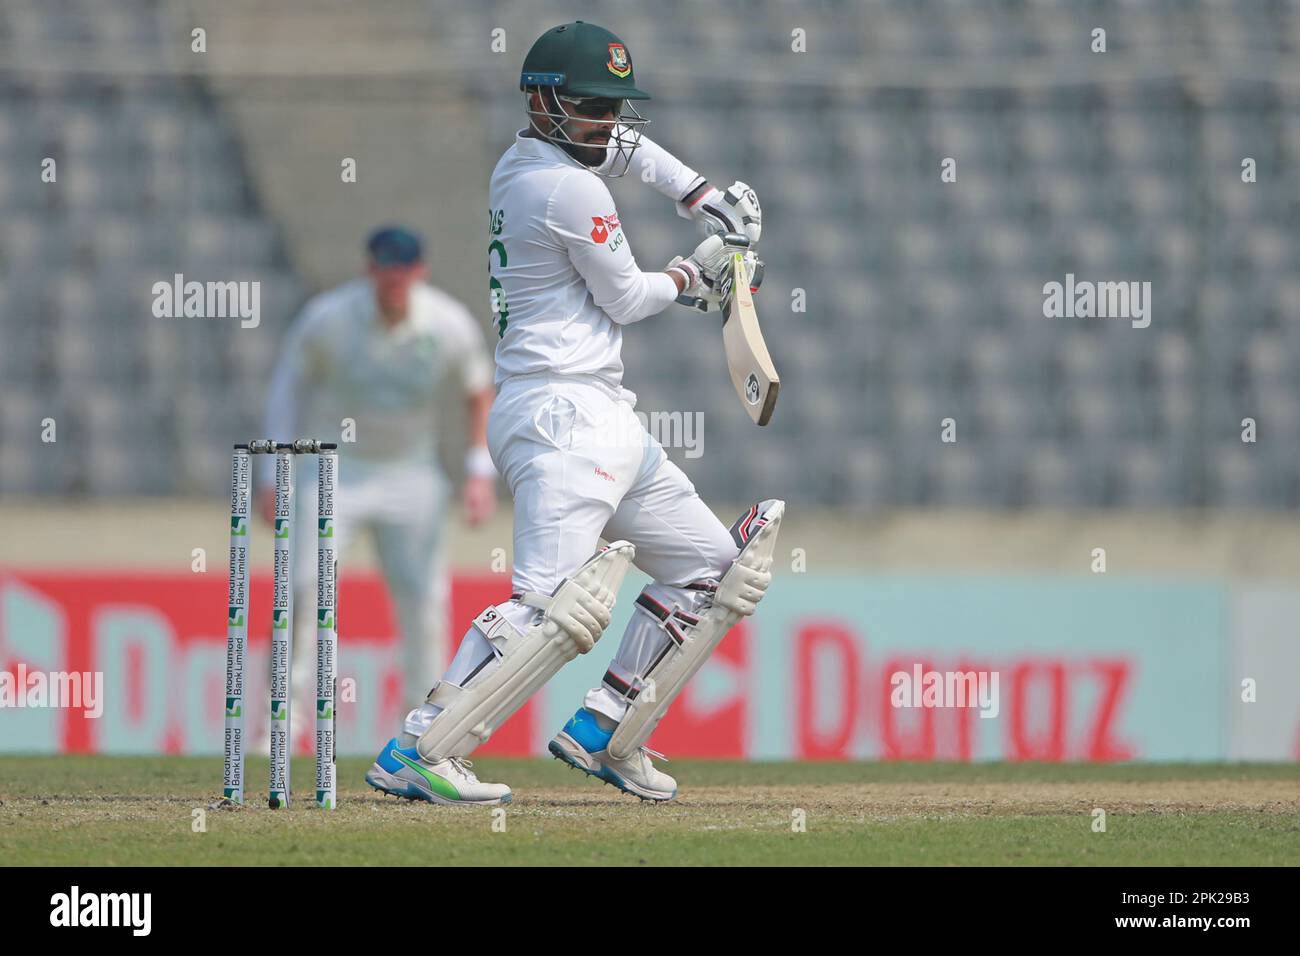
(340, 360)
(564, 280)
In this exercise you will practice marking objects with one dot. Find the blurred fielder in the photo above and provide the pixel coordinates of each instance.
(377, 350)
(579, 464)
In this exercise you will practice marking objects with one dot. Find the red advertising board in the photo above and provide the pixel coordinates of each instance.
(792, 682)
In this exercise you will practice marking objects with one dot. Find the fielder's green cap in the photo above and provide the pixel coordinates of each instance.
(394, 246)
(581, 59)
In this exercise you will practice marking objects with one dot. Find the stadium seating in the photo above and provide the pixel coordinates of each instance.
(922, 300)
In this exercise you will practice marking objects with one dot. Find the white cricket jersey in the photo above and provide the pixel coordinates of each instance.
(340, 360)
(564, 280)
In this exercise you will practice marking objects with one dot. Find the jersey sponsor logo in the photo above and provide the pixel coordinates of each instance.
(603, 226)
(602, 473)
(618, 63)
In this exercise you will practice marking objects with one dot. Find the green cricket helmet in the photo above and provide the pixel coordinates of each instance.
(588, 74)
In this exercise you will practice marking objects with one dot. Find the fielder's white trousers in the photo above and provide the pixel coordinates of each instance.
(402, 505)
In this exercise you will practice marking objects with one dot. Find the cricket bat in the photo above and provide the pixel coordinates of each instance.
(752, 372)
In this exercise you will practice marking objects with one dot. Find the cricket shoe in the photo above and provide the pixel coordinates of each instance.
(583, 744)
(402, 772)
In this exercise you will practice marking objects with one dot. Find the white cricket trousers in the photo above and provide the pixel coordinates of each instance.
(403, 506)
(581, 465)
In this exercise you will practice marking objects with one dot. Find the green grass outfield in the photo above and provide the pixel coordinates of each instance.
(142, 810)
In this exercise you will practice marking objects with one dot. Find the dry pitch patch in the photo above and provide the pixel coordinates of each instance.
(134, 811)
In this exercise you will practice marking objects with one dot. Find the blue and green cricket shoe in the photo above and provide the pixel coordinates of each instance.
(402, 772)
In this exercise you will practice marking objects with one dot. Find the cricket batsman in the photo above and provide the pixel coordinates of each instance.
(376, 351)
(578, 462)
